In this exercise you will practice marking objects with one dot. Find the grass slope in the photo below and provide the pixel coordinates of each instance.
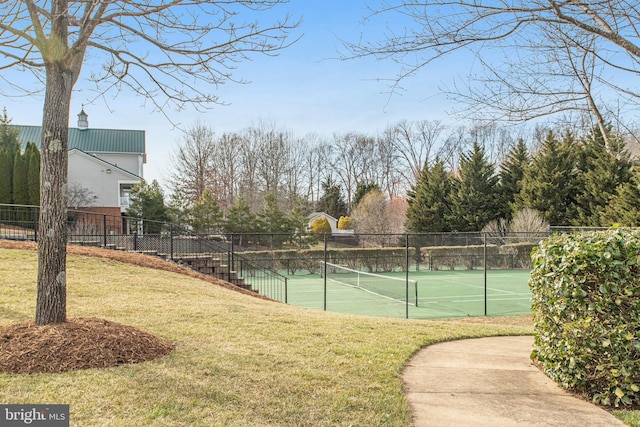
(239, 360)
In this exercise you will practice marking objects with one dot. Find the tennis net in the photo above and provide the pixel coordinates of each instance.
(398, 289)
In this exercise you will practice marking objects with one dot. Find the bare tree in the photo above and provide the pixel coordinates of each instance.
(317, 163)
(352, 161)
(79, 196)
(370, 216)
(539, 57)
(416, 143)
(192, 161)
(171, 53)
(226, 172)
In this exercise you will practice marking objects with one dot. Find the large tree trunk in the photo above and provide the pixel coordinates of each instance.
(51, 304)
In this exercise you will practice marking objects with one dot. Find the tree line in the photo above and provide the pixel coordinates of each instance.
(19, 170)
(568, 181)
(414, 177)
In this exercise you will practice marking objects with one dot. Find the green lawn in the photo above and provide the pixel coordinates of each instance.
(239, 360)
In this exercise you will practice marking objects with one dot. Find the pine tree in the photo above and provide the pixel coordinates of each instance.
(429, 200)
(511, 174)
(147, 202)
(206, 215)
(240, 219)
(271, 219)
(298, 219)
(178, 209)
(332, 202)
(475, 200)
(549, 184)
(20, 182)
(624, 206)
(601, 172)
(33, 173)
(361, 190)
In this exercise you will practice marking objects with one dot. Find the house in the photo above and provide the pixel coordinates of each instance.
(103, 163)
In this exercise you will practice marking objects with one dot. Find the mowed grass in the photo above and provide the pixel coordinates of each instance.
(239, 360)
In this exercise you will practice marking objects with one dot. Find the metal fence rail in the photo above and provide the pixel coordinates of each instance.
(262, 261)
(168, 241)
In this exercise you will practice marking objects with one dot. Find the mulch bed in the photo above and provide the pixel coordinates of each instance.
(84, 343)
(80, 343)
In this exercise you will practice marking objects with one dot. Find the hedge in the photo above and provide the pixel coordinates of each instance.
(586, 312)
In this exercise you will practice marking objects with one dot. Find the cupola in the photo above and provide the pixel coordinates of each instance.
(83, 122)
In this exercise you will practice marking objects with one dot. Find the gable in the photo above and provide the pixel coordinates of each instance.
(82, 164)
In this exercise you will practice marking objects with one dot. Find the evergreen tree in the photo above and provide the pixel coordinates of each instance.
(475, 200)
(206, 215)
(298, 219)
(511, 175)
(240, 219)
(6, 171)
(20, 179)
(32, 154)
(624, 206)
(361, 190)
(178, 209)
(332, 202)
(147, 203)
(549, 184)
(429, 200)
(601, 170)
(8, 136)
(271, 219)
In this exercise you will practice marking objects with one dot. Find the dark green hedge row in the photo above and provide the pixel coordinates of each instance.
(586, 312)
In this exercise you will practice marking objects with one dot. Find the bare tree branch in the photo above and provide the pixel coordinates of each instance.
(537, 57)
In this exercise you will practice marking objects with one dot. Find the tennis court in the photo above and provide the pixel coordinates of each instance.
(453, 293)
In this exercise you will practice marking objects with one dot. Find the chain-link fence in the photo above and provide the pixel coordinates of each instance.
(265, 262)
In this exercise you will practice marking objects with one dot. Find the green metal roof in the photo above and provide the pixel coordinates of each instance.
(91, 140)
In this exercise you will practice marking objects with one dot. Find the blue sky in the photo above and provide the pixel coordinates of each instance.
(305, 89)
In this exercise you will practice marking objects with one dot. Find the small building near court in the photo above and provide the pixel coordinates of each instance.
(333, 222)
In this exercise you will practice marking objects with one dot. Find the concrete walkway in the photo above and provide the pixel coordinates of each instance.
(491, 382)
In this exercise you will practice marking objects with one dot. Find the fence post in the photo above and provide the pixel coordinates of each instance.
(230, 259)
(135, 241)
(286, 291)
(171, 241)
(104, 229)
(36, 215)
(406, 269)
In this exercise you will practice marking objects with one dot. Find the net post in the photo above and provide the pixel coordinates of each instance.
(324, 271)
(485, 273)
(406, 275)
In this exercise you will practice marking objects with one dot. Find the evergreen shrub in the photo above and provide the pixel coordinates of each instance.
(586, 312)
(320, 225)
(345, 223)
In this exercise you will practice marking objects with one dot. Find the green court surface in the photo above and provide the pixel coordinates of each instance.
(441, 294)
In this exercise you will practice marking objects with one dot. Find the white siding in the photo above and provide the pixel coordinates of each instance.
(128, 162)
(100, 179)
